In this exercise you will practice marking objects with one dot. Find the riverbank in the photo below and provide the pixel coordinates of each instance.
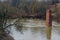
(5, 36)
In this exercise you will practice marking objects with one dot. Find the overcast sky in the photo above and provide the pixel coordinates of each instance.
(38, 0)
(5, 0)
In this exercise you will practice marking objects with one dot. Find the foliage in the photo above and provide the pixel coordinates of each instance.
(23, 8)
(7, 11)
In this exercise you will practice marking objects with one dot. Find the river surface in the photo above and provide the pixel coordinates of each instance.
(32, 29)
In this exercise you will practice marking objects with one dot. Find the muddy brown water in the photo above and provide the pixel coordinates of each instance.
(32, 29)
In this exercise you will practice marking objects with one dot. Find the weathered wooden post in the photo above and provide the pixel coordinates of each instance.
(48, 24)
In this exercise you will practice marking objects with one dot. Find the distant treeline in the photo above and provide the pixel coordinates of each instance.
(21, 8)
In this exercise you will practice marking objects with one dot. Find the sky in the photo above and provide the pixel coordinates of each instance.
(38, 0)
(5, 0)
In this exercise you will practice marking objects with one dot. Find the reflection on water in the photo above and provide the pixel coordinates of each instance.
(48, 32)
(25, 32)
(29, 33)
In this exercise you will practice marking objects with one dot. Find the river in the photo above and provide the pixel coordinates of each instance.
(32, 29)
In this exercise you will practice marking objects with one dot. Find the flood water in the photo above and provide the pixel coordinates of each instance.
(32, 29)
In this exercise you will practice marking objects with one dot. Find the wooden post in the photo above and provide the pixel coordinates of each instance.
(48, 24)
(48, 18)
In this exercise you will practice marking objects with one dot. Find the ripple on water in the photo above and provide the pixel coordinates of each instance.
(34, 30)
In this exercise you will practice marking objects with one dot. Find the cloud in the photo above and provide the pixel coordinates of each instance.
(3, 0)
